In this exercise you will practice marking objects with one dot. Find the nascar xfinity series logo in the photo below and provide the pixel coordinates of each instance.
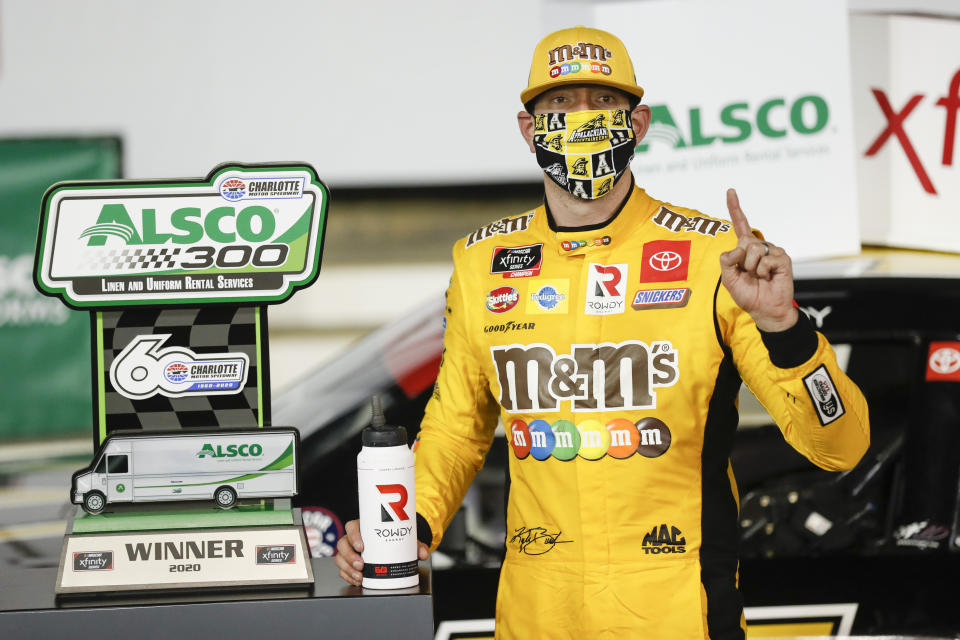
(93, 561)
(145, 368)
(244, 234)
(276, 554)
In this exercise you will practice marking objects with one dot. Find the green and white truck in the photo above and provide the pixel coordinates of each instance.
(222, 465)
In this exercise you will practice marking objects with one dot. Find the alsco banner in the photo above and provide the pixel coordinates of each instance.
(776, 125)
(245, 234)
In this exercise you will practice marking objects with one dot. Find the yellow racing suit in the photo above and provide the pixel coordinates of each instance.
(613, 356)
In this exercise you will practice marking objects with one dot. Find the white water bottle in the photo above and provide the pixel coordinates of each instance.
(388, 506)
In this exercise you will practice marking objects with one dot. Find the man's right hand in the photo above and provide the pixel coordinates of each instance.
(349, 548)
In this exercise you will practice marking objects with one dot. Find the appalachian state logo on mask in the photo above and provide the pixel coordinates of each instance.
(556, 142)
(593, 130)
(618, 118)
(579, 167)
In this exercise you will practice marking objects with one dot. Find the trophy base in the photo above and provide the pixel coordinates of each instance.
(159, 547)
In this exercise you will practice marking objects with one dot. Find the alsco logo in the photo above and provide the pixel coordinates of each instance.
(230, 451)
(664, 539)
(774, 118)
(187, 226)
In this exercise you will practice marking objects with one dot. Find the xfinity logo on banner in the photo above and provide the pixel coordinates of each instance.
(896, 119)
(245, 234)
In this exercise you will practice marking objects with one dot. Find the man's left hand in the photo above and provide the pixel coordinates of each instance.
(758, 275)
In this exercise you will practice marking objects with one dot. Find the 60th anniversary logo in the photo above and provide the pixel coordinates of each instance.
(246, 233)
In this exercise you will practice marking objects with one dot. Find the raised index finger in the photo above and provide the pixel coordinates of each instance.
(740, 224)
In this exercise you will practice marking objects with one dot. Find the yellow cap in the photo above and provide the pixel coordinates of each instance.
(580, 56)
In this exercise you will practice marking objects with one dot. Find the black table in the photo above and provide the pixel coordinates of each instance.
(331, 609)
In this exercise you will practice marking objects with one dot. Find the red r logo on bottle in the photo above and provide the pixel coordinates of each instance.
(397, 506)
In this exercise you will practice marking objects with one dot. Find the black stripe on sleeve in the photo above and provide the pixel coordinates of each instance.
(719, 550)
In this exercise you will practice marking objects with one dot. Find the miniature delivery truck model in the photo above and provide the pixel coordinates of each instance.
(221, 465)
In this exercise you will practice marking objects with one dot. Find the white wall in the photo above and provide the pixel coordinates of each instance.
(370, 92)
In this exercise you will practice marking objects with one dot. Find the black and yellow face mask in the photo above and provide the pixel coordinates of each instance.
(585, 152)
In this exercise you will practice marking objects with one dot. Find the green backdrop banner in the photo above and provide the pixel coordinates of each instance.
(44, 346)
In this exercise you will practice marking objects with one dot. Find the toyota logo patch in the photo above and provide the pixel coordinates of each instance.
(665, 261)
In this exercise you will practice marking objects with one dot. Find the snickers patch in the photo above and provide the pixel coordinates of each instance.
(824, 395)
(517, 262)
(660, 298)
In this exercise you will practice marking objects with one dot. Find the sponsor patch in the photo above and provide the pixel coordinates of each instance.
(573, 245)
(592, 377)
(93, 561)
(503, 226)
(664, 538)
(824, 395)
(549, 296)
(502, 299)
(606, 289)
(678, 222)
(921, 535)
(665, 261)
(517, 262)
(943, 362)
(661, 298)
(506, 327)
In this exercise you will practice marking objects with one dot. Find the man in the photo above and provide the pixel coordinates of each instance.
(610, 331)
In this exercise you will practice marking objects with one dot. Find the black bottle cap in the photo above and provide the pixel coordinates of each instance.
(381, 434)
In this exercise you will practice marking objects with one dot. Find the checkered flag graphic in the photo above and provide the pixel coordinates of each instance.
(217, 329)
(136, 259)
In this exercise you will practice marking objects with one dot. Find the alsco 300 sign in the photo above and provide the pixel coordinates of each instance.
(244, 234)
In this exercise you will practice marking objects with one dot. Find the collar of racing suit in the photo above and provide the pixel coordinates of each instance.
(576, 241)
